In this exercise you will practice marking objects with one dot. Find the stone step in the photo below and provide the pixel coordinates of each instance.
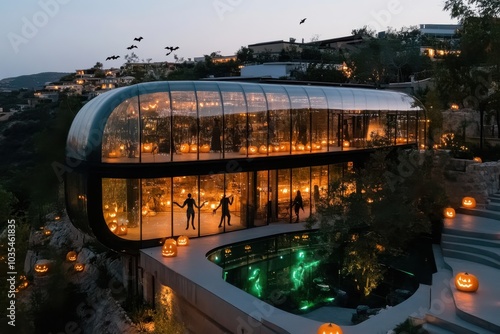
(433, 329)
(466, 256)
(480, 212)
(493, 206)
(494, 199)
(496, 195)
(446, 237)
(486, 252)
(454, 324)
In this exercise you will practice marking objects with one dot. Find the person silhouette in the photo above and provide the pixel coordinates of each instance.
(191, 204)
(297, 204)
(225, 202)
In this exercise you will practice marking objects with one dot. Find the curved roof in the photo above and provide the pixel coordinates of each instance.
(86, 133)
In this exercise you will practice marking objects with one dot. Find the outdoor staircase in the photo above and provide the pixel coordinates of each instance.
(481, 248)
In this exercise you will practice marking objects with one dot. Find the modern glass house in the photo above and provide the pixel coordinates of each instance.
(136, 151)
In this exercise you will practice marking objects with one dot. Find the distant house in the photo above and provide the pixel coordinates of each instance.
(273, 70)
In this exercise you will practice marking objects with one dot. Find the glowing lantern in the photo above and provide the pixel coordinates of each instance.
(469, 202)
(23, 285)
(252, 150)
(205, 148)
(184, 148)
(449, 213)
(41, 266)
(183, 240)
(193, 148)
(122, 230)
(243, 150)
(477, 159)
(466, 282)
(169, 248)
(71, 256)
(79, 267)
(263, 149)
(147, 147)
(329, 328)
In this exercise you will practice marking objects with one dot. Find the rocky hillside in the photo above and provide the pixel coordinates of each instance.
(31, 81)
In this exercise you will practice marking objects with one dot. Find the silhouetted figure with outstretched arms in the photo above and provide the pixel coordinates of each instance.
(191, 204)
(225, 202)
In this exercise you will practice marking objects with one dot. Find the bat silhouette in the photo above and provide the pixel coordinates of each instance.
(303, 20)
(138, 39)
(172, 48)
(112, 57)
(132, 47)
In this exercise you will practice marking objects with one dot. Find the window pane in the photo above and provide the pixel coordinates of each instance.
(156, 132)
(156, 208)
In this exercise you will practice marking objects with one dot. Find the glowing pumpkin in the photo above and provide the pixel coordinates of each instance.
(469, 202)
(71, 256)
(79, 267)
(205, 148)
(248, 248)
(243, 150)
(449, 213)
(147, 147)
(477, 159)
(169, 249)
(316, 146)
(263, 149)
(285, 147)
(113, 154)
(466, 282)
(193, 148)
(346, 143)
(301, 147)
(47, 232)
(184, 148)
(183, 240)
(329, 328)
(113, 227)
(122, 230)
(41, 267)
(252, 150)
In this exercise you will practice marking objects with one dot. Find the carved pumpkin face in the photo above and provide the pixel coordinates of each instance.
(252, 150)
(466, 282)
(71, 256)
(193, 148)
(469, 202)
(329, 328)
(47, 232)
(113, 227)
(243, 150)
(79, 267)
(449, 213)
(169, 249)
(248, 248)
(122, 230)
(41, 266)
(147, 147)
(183, 240)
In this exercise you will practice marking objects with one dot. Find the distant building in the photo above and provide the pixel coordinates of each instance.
(273, 70)
(440, 31)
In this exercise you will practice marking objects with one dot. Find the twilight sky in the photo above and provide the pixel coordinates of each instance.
(65, 35)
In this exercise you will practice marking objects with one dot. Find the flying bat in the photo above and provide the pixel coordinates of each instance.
(138, 39)
(132, 47)
(112, 57)
(303, 20)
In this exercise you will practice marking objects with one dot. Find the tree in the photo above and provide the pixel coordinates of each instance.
(245, 55)
(374, 212)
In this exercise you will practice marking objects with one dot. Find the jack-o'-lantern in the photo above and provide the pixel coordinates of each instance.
(449, 213)
(301, 147)
(193, 148)
(316, 146)
(329, 328)
(469, 202)
(113, 154)
(346, 143)
(248, 248)
(183, 240)
(47, 232)
(243, 150)
(285, 147)
(169, 248)
(263, 149)
(71, 256)
(147, 148)
(466, 282)
(42, 267)
(184, 148)
(228, 252)
(477, 159)
(79, 267)
(205, 148)
(122, 230)
(113, 227)
(23, 285)
(252, 150)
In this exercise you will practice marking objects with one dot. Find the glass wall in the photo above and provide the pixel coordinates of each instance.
(211, 120)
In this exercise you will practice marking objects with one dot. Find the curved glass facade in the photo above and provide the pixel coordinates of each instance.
(141, 149)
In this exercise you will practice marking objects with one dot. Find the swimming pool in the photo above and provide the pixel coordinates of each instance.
(296, 273)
